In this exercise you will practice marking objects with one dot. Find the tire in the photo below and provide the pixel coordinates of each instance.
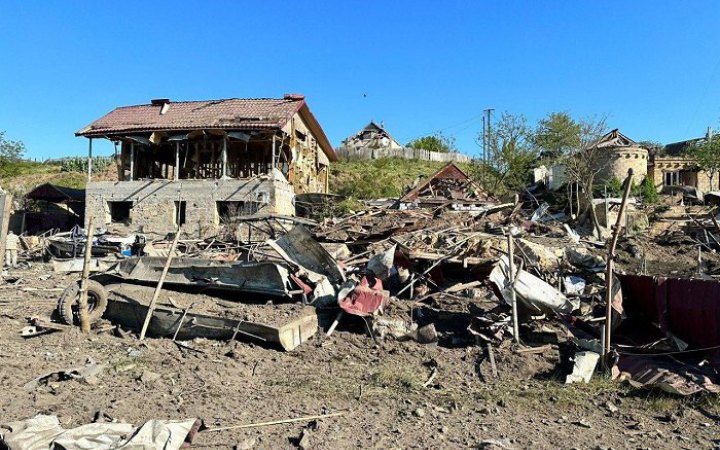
(67, 306)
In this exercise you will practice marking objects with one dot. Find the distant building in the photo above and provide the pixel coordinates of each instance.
(619, 153)
(375, 142)
(674, 166)
(372, 136)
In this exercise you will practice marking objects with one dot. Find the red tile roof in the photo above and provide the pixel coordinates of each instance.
(227, 114)
(232, 113)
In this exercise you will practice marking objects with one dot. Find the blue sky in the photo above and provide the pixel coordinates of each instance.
(653, 67)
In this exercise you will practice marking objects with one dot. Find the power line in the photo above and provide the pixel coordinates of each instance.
(702, 98)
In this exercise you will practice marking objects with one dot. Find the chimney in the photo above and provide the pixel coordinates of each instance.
(163, 103)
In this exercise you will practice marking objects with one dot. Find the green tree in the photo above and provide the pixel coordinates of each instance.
(10, 151)
(707, 156)
(512, 155)
(435, 143)
(558, 134)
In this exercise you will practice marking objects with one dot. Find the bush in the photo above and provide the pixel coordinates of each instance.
(648, 192)
(614, 187)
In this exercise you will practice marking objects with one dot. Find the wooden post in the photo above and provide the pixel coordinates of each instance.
(513, 295)
(197, 158)
(182, 319)
(156, 294)
(89, 163)
(607, 209)
(609, 271)
(83, 312)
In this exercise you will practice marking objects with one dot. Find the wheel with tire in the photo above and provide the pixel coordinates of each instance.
(97, 300)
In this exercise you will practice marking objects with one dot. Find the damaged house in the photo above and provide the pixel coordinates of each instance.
(618, 154)
(372, 136)
(449, 186)
(199, 163)
(674, 165)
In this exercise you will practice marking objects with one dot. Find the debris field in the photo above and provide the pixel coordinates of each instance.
(447, 319)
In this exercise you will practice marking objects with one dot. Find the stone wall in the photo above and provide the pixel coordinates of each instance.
(154, 207)
(618, 161)
(689, 175)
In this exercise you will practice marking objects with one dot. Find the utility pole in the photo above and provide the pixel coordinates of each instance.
(487, 130)
(484, 147)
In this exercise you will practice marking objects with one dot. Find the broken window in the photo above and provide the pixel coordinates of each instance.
(180, 213)
(119, 211)
(671, 178)
(226, 211)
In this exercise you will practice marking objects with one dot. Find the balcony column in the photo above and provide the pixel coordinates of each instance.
(224, 158)
(273, 153)
(132, 160)
(177, 160)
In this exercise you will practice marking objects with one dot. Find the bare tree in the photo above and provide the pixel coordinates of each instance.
(584, 162)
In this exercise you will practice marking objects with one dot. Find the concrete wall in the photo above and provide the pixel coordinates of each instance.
(154, 209)
(350, 153)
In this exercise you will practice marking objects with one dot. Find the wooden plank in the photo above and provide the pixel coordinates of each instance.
(160, 283)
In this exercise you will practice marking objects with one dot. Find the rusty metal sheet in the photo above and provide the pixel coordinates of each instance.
(666, 375)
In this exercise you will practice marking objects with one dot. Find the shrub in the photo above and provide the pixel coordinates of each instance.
(648, 192)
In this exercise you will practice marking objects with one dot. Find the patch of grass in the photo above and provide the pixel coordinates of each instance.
(398, 377)
(70, 180)
(11, 169)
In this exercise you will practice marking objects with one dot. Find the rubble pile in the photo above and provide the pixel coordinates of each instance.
(516, 280)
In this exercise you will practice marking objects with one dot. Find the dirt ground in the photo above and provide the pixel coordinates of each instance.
(379, 390)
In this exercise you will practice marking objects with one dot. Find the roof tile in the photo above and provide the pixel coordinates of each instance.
(232, 113)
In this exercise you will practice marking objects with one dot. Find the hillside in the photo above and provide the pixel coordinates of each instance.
(380, 178)
(18, 178)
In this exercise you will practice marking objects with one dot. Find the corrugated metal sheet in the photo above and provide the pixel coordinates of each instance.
(690, 309)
